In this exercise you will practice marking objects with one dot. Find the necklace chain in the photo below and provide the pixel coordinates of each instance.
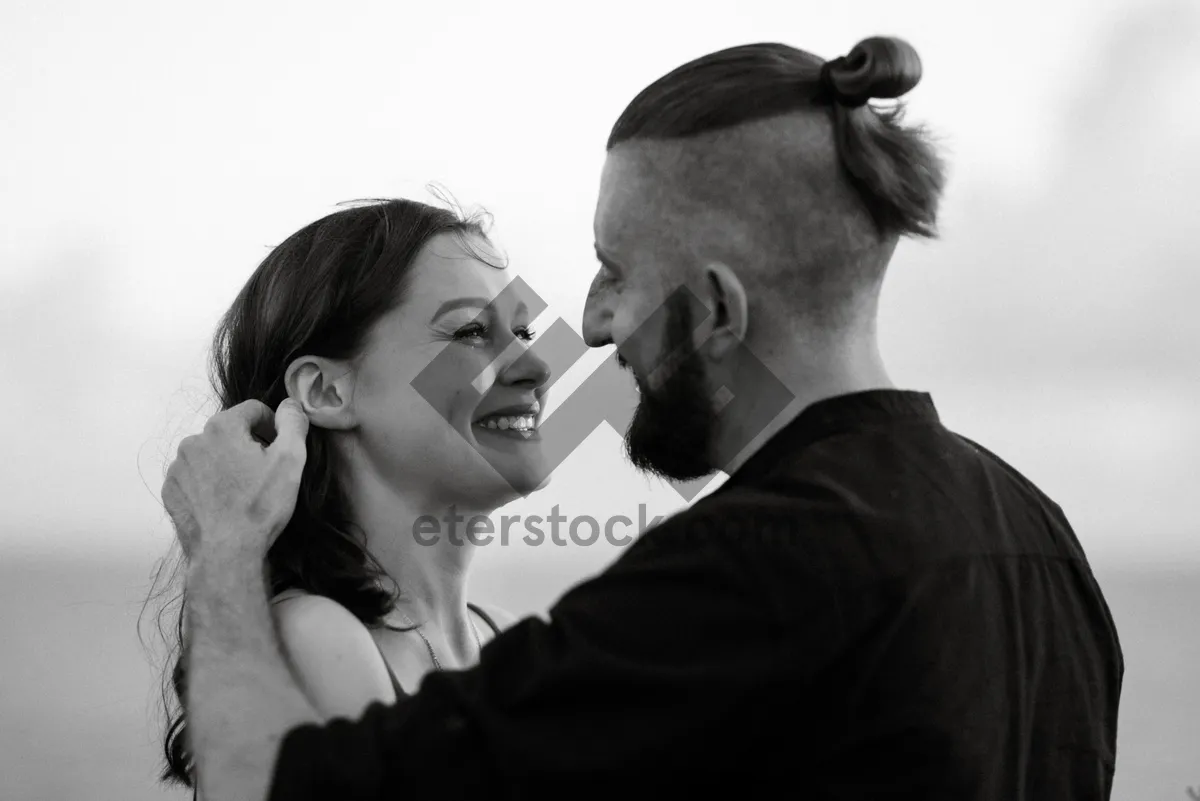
(437, 665)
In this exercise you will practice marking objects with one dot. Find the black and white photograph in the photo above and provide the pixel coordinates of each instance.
(614, 400)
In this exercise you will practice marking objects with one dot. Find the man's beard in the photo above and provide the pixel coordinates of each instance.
(673, 427)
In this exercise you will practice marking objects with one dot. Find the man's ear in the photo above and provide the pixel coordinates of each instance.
(325, 390)
(731, 316)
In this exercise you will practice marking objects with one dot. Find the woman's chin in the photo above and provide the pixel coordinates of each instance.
(524, 486)
(519, 464)
(502, 481)
(525, 479)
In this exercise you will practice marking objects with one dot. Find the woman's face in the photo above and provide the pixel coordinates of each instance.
(446, 394)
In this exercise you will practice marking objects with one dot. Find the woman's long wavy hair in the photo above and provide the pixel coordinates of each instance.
(318, 293)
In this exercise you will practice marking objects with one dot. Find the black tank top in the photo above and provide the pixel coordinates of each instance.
(484, 616)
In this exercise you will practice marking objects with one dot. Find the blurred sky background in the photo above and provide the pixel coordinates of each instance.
(153, 153)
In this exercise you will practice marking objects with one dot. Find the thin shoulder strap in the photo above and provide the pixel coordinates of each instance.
(485, 617)
(400, 693)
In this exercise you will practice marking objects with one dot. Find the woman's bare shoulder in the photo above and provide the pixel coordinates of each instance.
(333, 653)
(316, 622)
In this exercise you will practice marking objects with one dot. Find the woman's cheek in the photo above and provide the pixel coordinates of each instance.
(486, 378)
(475, 377)
(450, 379)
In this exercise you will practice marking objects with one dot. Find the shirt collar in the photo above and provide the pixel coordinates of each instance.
(835, 415)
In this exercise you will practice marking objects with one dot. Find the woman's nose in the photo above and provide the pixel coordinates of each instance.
(528, 369)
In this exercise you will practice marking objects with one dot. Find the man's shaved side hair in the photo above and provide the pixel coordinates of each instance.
(761, 156)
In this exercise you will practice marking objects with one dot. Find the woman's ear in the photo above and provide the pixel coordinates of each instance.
(324, 388)
(727, 297)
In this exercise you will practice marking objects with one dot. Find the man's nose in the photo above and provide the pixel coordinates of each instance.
(597, 318)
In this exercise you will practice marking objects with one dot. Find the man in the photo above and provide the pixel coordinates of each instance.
(870, 607)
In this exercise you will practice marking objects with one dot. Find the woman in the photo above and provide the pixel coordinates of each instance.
(391, 324)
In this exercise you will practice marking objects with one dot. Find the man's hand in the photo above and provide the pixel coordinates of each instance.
(228, 493)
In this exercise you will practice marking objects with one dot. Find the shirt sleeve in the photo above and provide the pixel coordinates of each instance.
(636, 673)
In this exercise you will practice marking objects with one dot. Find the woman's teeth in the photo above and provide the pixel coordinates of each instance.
(522, 424)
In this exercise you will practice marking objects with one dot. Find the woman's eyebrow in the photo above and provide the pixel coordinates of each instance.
(459, 303)
(470, 303)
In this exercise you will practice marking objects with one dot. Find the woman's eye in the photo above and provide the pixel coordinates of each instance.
(473, 331)
(479, 331)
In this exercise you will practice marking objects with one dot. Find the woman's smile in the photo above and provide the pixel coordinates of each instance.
(516, 423)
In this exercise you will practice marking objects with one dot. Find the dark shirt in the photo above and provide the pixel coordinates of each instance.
(871, 607)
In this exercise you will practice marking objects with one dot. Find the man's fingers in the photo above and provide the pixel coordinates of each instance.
(170, 489)
(181, 451)
(173, 498)
(250, 416)
(291, 428)
(175, 503)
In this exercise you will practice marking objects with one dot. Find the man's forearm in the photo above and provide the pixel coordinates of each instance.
(242, 698)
